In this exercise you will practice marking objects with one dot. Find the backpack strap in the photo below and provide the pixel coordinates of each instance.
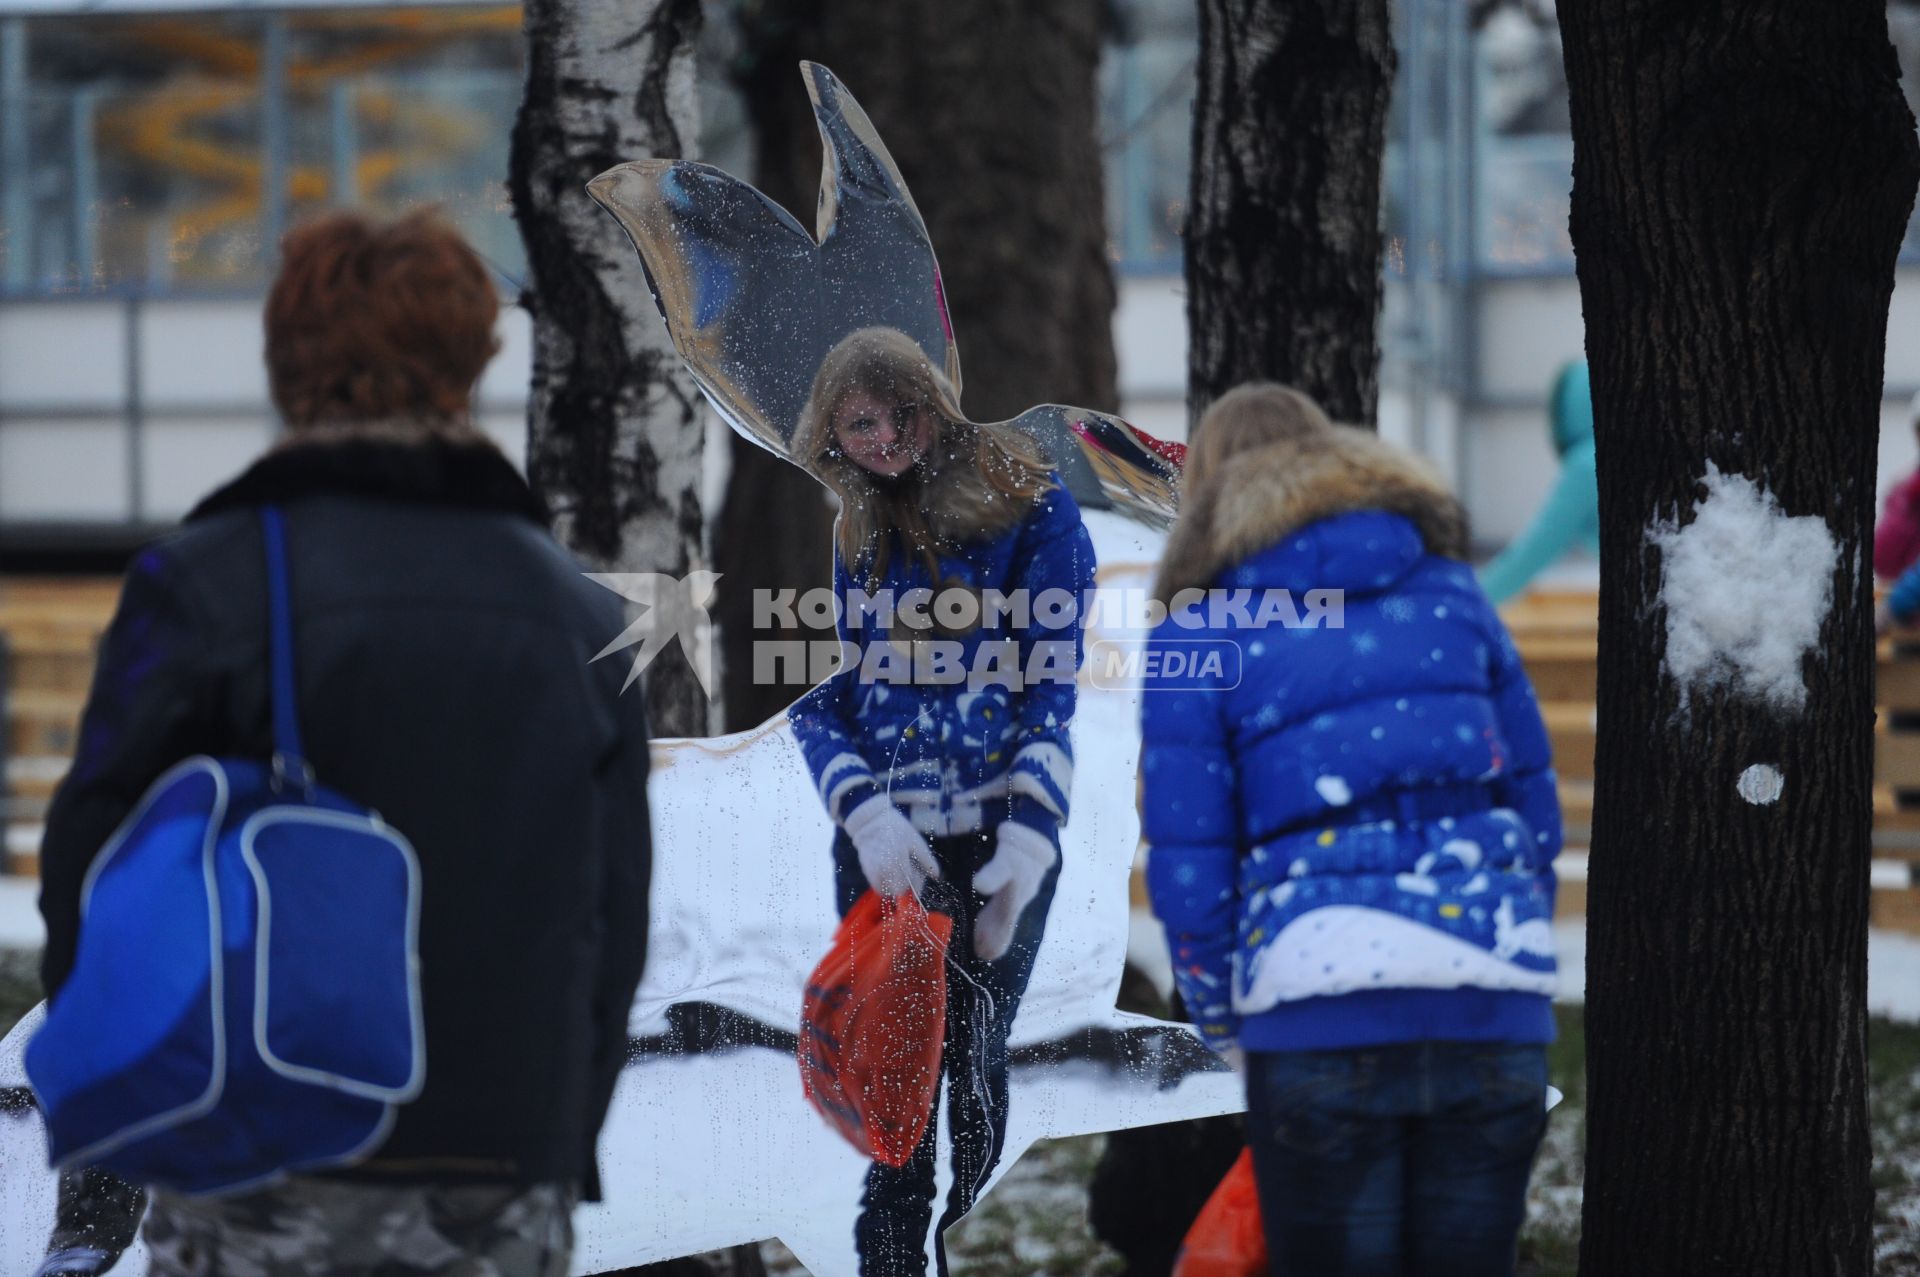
(289, 756)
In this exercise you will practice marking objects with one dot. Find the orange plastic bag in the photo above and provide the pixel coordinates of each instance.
(873, 1024)
(1226, 1239)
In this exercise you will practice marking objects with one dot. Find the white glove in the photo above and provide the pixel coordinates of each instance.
(894, 856)
(1009, 881)
(1236, 1059)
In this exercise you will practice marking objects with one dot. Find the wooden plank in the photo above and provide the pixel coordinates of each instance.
(1570, 900)
(42, 722)
(1897, 681)
(32, 785)
(1896, 910)
(20, 852)
(50, 669)
(1569, 683)
(1570, 728)
(1896, 759)
(1576, 803)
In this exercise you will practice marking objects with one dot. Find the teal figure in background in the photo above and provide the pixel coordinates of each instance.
(1572, 512)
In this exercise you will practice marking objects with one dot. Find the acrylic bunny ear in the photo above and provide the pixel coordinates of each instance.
(734, 277)
(753, 302)
(862, 190)
(1106, 463)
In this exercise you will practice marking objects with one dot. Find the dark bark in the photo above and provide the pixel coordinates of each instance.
(1742, 177)
(614, 422)
(1283, 242)
(989, 109)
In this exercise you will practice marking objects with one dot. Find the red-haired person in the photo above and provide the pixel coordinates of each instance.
(443, 640)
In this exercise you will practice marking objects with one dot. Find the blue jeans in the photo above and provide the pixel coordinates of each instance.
(1408, 1160)
(897, 1207)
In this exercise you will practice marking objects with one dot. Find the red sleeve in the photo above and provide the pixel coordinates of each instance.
(1896, 539)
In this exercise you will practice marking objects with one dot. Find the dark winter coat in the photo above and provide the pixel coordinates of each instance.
(443, 642)
(1352, 827)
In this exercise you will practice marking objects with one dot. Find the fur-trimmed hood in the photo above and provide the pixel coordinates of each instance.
(1279, 489)
(460, 469)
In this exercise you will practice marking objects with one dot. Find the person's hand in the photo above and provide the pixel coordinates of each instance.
(893, 854)
(1009, 881)
(1236, 1059)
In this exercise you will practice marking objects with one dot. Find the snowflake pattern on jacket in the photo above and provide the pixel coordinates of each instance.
(1370, 806)
(958, 758)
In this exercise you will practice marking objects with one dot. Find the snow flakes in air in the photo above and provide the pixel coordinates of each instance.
(1333, 790)
(1746, 589)
(1761, 784)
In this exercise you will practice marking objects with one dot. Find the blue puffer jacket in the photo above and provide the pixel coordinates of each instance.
(958, 759)
(1352, 832)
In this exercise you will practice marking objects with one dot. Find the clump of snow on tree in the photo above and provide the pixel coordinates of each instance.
(1746, 588)
(1761, 784)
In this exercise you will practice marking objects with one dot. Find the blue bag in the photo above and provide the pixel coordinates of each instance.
(245, 999)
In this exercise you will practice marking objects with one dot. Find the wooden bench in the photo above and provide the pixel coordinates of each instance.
(51, 629)
(1556, 635)
(49, 633)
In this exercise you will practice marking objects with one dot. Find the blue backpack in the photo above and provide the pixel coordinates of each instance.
(245, 999)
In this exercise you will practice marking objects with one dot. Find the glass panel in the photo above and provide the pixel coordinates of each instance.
(180, 188)
(1147, 95)
(400, 109)
(437, 139)
(145, 154)
(140, 160)
(1526, 169)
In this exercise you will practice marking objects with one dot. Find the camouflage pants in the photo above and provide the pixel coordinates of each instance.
(313, 1227)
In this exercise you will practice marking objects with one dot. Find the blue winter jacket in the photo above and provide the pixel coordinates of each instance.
(960, 756)
(1903, 599)
(1352, 827)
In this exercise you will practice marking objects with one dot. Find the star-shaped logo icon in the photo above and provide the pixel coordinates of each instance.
(670, 608)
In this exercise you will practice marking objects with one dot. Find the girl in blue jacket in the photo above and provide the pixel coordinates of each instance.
(1353, 827)
(941, 749)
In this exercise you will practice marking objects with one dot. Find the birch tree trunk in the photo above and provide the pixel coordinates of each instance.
(989, 109)
(615, 425)
(1742, 177)
(1283, 242)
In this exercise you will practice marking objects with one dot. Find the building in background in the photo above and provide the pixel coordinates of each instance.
(151, 152)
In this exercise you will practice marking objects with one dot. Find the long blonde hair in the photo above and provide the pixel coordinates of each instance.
(1253, 415)
(989, 472)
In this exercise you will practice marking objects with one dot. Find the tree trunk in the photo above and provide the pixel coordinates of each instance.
(1283, 234)
(614, 422)
(1743, 175)
(989, 109)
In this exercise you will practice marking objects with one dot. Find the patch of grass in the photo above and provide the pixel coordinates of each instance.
(1550, 1237)
(1567, 1057)
(1035, 1220)
(1893, 1072)
(19, 985)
